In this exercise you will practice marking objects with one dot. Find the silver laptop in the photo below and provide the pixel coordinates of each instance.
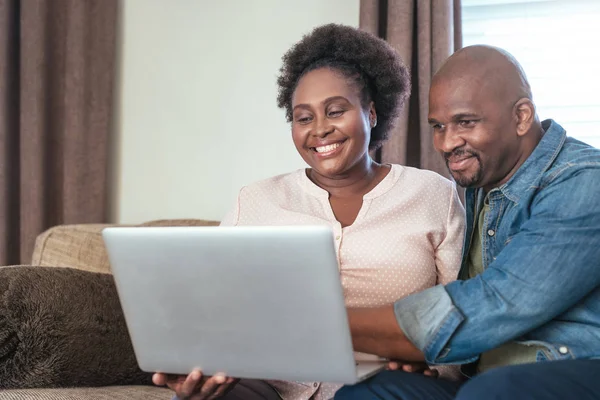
(251, 302)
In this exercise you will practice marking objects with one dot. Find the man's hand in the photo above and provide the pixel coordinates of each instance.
(414, 367)
(196, 386)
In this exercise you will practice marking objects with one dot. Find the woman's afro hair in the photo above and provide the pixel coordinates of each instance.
(369, 61)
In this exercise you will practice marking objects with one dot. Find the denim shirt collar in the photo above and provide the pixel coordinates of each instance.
(536, 164)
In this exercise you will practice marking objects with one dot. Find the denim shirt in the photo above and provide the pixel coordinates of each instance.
(541, 259)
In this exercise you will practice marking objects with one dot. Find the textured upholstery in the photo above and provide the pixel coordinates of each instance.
(81, 247)
(105, 393)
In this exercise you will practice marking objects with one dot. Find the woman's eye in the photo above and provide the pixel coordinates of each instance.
(335, 113)
(303, 119)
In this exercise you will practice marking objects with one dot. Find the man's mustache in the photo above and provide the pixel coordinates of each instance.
(459, 154)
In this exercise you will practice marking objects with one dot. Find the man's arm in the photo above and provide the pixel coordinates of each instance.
(546, 268)
(549, 266)
(376, 331)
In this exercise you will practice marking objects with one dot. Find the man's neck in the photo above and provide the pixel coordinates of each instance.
(530, 142)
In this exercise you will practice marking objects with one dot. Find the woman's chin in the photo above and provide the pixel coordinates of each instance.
(329, 171)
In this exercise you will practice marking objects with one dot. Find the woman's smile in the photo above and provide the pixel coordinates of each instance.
(328, 150)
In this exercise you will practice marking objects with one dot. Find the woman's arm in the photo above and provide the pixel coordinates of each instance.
(448, 254)
(376, 330)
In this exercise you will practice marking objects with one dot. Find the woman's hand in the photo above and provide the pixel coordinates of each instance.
(196, 386)
(414, 367)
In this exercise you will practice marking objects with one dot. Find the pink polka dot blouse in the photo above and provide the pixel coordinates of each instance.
(407, 237)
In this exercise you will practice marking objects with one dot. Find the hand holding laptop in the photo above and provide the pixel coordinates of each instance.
(414, 367)
(195, 384)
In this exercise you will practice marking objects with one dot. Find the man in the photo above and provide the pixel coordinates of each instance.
(529, 288)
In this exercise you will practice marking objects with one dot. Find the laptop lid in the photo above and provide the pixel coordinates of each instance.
(252, 302)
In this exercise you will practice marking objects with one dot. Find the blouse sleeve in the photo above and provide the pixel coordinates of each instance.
(233, 215)
(449, 253)
(448, 258)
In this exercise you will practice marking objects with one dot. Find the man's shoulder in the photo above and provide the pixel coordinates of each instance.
(574, 157)
(558, 160)
(577, 152)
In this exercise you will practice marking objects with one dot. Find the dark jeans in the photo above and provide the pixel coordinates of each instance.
(250, 389)
(553, 380)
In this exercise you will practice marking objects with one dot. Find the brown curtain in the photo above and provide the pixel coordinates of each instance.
(425, 33)
(56, 79)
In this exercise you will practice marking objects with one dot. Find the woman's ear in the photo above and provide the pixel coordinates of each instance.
(372, 115)
(525, 115)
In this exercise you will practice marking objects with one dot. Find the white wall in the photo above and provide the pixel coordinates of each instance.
(196, 114)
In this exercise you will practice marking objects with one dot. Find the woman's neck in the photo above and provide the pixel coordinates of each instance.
(357, 181)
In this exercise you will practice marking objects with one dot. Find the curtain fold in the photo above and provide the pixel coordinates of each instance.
(425, 33)
(56, 89)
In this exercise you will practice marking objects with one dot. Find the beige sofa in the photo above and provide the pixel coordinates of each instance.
(81, 247)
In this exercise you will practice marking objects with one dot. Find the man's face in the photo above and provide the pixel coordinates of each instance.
(475, 131)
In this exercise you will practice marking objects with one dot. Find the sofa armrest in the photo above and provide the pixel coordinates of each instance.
(81, 246)
(74, 246)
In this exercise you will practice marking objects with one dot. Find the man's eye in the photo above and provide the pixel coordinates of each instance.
(437, 127)
(466, 123)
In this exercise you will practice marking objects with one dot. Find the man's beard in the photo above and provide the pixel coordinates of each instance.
(467, 181)
(463, 180)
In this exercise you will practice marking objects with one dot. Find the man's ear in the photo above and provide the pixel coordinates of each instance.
(525, 115)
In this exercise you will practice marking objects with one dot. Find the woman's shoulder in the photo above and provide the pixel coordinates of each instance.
(422, 177)
(425, 191)
(274, 184)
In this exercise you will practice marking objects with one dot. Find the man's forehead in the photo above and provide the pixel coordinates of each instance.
(459, 82)
(460, 93)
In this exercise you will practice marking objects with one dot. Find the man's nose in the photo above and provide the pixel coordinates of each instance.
(447, 141)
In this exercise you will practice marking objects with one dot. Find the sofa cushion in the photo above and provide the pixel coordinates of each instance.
(61, 327)
(81, 246)
(105, 393)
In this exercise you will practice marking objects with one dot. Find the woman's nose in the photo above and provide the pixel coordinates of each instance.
(323, 127)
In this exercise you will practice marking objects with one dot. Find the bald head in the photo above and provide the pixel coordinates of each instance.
(489, 68)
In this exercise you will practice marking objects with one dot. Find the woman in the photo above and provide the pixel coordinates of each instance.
(398, 230)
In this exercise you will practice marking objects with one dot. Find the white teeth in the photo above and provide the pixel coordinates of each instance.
(329, 147)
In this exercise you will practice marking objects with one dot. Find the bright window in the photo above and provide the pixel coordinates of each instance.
(558, 44)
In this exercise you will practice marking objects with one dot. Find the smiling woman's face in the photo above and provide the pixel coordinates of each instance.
(330, 127)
